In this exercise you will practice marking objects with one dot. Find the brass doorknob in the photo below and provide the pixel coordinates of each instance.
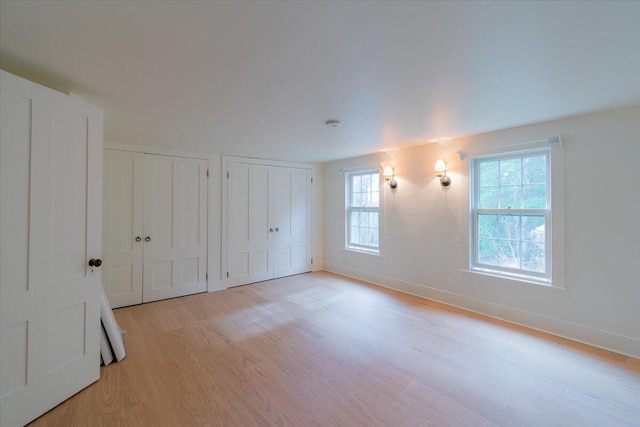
(95, 262)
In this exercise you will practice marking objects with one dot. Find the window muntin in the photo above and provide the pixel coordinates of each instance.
(363, 211)
(511, 215)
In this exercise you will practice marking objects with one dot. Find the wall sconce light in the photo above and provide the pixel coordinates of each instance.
(441, 169)
(389, 177)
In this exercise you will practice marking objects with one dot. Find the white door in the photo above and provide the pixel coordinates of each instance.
(50, 220)
(122, 230)
(268, 221)
(291, 220)
(175, 236)
(249, 236)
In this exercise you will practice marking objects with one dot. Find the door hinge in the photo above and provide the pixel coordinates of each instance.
(207, 173)
(227, 274)
(312, 180)
(311, 260)
(227, 175)
(206, 276)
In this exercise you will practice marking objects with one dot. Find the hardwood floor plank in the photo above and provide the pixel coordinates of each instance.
(321, 350)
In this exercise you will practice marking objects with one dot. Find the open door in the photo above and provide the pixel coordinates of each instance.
(50, 220)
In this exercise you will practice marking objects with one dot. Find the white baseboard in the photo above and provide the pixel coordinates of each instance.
(625, 345)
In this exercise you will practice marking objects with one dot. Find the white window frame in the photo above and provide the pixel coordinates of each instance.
(375, 250)
(554, 217)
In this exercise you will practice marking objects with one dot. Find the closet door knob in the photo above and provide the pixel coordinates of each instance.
(271, 230)
(138, 239)
(277, 229)
(95, 262)
(147, 239)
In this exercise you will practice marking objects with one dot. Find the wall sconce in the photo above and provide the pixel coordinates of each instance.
(389, 177)
(441, 169)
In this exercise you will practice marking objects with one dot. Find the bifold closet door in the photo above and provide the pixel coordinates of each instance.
(292, 220)
(175, 246)
(268, 221)
(249, 235)
(122, 227)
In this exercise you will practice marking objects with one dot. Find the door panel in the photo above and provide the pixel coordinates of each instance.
(68, 190)
(122, 213)
(49, 313)
(15, 179)
(175, 225)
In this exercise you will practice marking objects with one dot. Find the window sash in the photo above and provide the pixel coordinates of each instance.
(516, 272)
(350, 189)
(350, 242)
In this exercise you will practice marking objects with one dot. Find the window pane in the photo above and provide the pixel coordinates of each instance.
(488, 226)
(355, 234)
(373, 220)
(534, 170)
(487, 251)
(355, 219)
(509, 227)
(375, 199)
(535, 196)
(510, 172)
(533, 257)
(488, 173)
(533, 228)
(488, 198)
(364, 233)
(356, 186)
(366, 199)
(366, 183)
(510, 197)
(373, 237)
(356, 200)
(508, 254)
(364, 219)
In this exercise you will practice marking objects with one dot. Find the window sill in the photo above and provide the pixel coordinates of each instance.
(361, 251)
(515, 279)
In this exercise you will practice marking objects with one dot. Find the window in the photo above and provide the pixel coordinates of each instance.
(511, 215)
(363, 211)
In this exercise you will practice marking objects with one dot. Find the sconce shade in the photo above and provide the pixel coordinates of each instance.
(441, 166)
(441, 171)
(387, 173)
(388, 176)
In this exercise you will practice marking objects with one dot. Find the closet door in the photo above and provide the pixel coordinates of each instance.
(50, 221)
(291, 220)
(249, 235)
(175, 244)
(122, 230)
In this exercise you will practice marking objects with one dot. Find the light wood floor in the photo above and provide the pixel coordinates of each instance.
(321, 350)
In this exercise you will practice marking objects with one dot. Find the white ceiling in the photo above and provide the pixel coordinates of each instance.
(260, 78)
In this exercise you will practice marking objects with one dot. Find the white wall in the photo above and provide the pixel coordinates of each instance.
(425, 231)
